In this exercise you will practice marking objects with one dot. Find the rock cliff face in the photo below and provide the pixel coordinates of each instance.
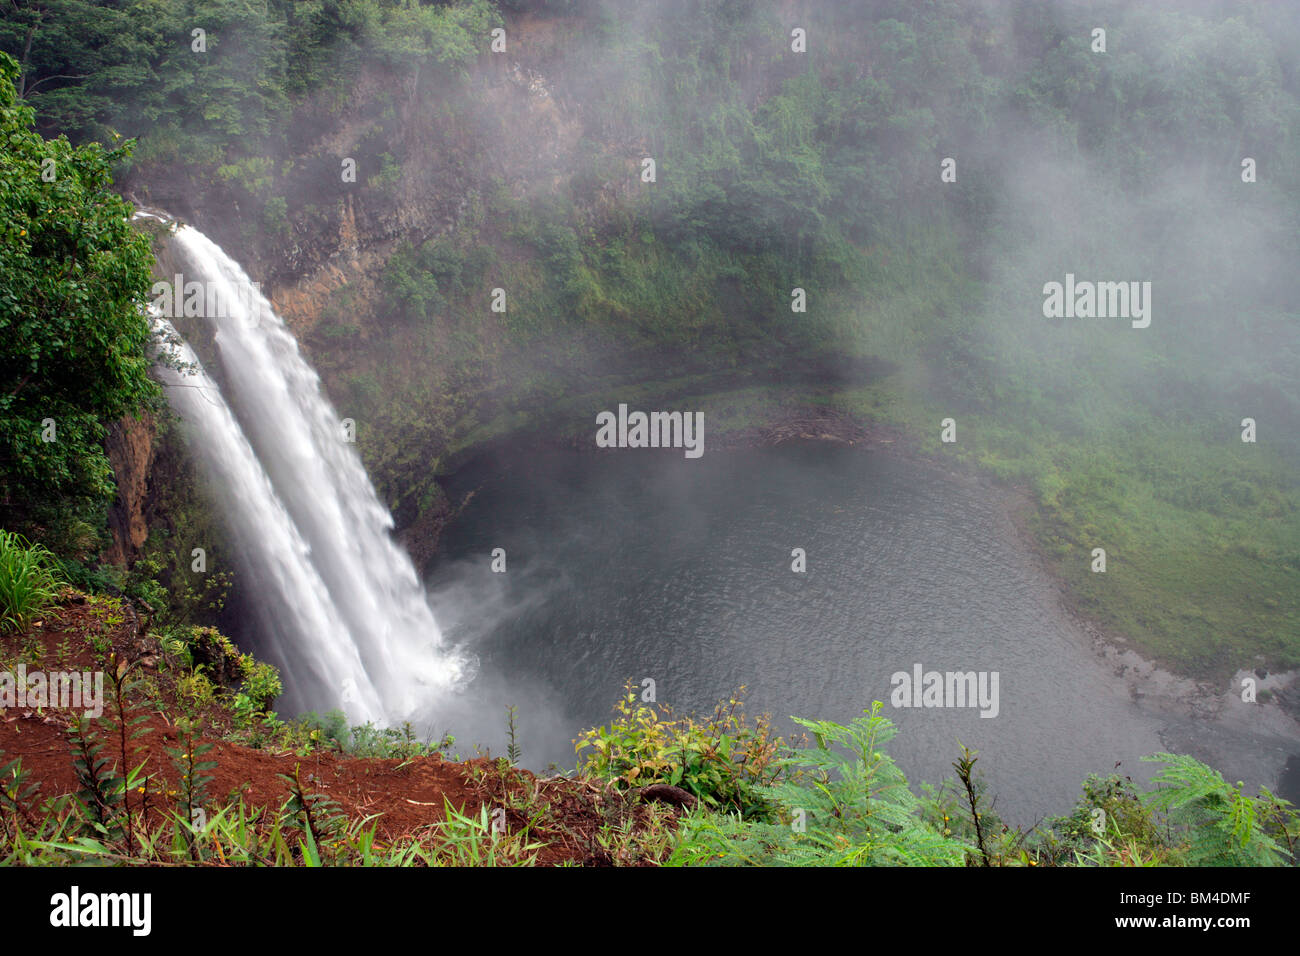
(131, 451)
(510, 132)
(421, 153)
(428, 160)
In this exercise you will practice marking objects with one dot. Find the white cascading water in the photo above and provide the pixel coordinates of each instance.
(349, 620)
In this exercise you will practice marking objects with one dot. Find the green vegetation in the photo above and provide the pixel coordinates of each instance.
(74, 279)
(773, 172)
(848, 804)
(837, 800)
(413, 278)
(146, 788)
(308, 830)
(311, 730)
(28, 581)
(842, 801)
(723, 761)
(137, 67)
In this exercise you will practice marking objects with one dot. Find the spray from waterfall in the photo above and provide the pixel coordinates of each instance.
(339, 600)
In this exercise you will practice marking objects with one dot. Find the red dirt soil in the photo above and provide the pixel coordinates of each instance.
(406, 794)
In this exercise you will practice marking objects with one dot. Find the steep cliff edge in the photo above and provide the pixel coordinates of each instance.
(131, 452)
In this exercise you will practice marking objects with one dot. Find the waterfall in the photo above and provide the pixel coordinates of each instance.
(340, 603)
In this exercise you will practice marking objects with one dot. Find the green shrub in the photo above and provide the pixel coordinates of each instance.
(417, 280)
(724, 761)
(258, 689)
(1124, 831)
(391, 743)
(329, 728)
(275, 217)
(217, 669)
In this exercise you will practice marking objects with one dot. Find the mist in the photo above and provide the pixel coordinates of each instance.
(1029, 266)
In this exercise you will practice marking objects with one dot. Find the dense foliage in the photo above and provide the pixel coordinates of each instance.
(74, 279)
(723, 760)
(130, 65)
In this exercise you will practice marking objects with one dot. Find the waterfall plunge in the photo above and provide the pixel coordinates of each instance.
(341, 603)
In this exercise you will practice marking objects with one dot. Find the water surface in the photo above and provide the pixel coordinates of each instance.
(642, 564)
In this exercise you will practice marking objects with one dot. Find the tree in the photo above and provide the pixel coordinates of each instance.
(74, 334)
(75, 57)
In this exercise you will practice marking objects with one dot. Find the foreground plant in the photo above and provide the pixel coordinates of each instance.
(846, 803)
(723, 760)
(28, 581)
(1221, 825)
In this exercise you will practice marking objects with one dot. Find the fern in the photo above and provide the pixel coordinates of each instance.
(847, 804)
(1222, 825)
